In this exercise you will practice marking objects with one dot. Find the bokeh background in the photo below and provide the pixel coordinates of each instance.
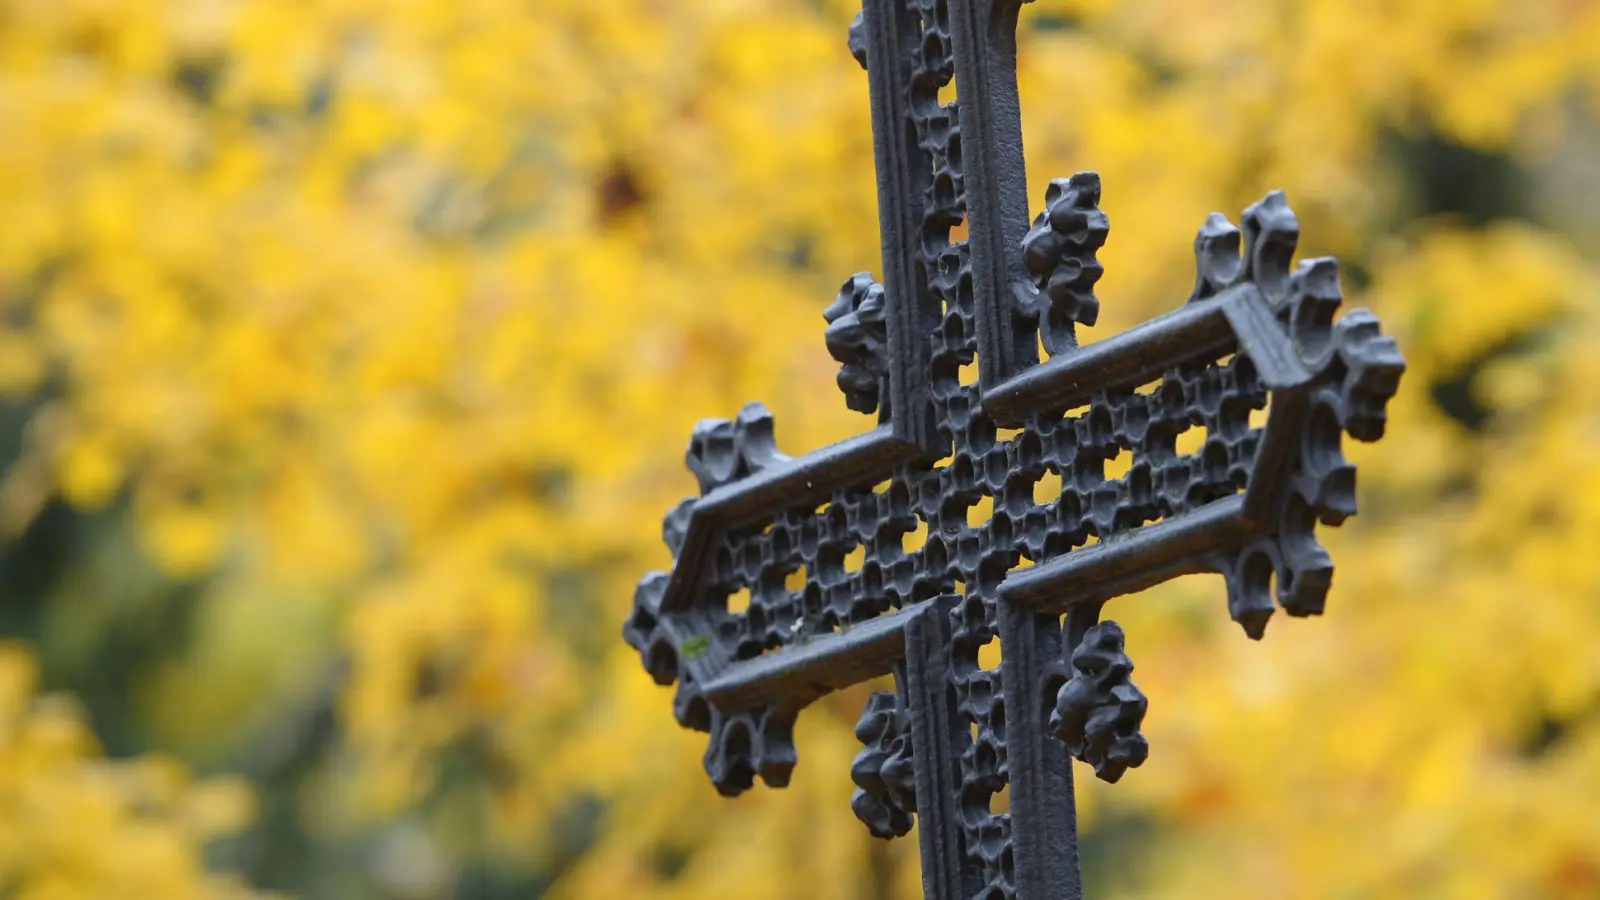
(348, 350)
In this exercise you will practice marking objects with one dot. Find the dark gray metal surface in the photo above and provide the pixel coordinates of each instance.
(1257, 334)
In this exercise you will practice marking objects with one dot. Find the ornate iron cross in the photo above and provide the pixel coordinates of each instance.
(1255, 335)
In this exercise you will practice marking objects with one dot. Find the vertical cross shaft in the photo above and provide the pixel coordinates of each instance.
(904, 175)
(984, 34)
(1043, 801)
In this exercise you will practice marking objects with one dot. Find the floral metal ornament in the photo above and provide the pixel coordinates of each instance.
(1256, 358)
(857, 338)
(885, 796)
(1099, 709)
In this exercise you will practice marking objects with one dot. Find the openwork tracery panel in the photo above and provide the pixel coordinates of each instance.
(1205, 440)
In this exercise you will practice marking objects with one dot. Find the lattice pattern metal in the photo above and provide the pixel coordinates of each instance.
(1255, 335)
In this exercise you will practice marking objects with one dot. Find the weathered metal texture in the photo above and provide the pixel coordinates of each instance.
(1254, 359)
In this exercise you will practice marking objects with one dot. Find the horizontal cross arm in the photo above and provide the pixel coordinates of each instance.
(1145, 351)
(816, 667)
(1132, 357)
(863, 459)
(1124, 565)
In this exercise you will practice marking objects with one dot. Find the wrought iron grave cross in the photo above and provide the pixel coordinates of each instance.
(1255, 335)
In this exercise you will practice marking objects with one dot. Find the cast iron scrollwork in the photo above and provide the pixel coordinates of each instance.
(721, 451)
(744, 745)
(1060, 253)
(1354, 371)
(1271, 234)
(687, 649)
(885, 796)
(1077, 464)
(858, 39)
(857, 338)
(1099, 710)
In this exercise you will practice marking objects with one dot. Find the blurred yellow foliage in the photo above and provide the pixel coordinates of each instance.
(73, 827)
(386, 322)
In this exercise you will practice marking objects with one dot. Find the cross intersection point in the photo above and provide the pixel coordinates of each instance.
(1255, 359)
